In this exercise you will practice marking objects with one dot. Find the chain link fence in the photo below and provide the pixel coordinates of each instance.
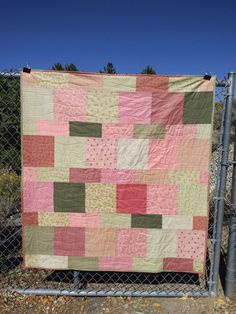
(12, 273)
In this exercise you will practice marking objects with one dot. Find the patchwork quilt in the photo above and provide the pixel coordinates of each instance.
(115, 171)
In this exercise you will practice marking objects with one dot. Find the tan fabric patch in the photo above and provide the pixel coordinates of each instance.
(53, 219)
(100, 198)
(115, 220)
(177, 222)
(48, 174)
(102, 107)
(161, 243)
(141, 264)
(69, 152)
(119, 83)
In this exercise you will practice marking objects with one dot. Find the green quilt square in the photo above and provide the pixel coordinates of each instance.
(69, 197)
(198, 108)
(83, 263)
(39, 240)
(146, 221)
(149, 131)
(85, 129)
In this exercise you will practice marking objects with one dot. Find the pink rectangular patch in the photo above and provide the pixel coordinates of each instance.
(178, 264)
(29, 174)
(164, 154)
(85, 175)
(167, 108)
(135, 107)
(84, 220)
(131, 198)
(162, 199)
(38, 196)
(53, 128)
(181, 131)
(69, 241)
(118, 263)
(106, 149)
(191, 244)
(117, 176)
(131, 242)
(69, 104)
(117, 131)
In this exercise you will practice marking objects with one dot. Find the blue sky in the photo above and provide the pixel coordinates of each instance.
(175, 37)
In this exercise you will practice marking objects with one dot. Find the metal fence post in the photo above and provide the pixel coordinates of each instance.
(230, 279)
(222, 188)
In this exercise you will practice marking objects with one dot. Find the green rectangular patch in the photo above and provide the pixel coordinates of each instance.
(85, 129)
(82, 263)
(146, 221)
(39, 240)
(69, 197)
(149, 131)
(198, 108)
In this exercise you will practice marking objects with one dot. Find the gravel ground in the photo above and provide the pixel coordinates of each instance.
(14, 303)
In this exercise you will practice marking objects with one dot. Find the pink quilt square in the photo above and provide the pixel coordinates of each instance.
(117, 263)
(131, 242)
(200, 223)
(192, 244)
(117, 131)
(152, 83)
(101, 153)
(117, 176)
(38, 151)
(38, 197)
(162, 199)
(135, 107)
(29, 219)
(69, 104)
(131, 198)
(164, 154)
(167, 108)
(29, 174)
(178, 264)
(85, 175)
(69, 241)
(181, 131)
(53, 128)
(84, 220)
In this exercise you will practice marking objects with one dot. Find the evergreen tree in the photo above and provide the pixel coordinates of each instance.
(58, 66)
(68, 67)
(148, 70)
(71, 67)
(109, 68)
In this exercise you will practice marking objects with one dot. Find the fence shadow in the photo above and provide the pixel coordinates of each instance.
(86, 277)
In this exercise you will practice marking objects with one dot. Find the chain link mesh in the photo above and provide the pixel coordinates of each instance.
(12, 273)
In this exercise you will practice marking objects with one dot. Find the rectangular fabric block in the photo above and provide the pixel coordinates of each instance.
(85, 129)
(69, 197)
(115, 171)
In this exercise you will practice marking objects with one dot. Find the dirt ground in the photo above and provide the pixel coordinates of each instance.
(15, 303)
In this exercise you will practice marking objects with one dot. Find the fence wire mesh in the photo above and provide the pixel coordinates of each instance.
(12, 273)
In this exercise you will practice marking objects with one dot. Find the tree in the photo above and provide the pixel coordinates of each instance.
(68, 67)
(148, 70)
(71, 67)
(109, 68)
(58, 66)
